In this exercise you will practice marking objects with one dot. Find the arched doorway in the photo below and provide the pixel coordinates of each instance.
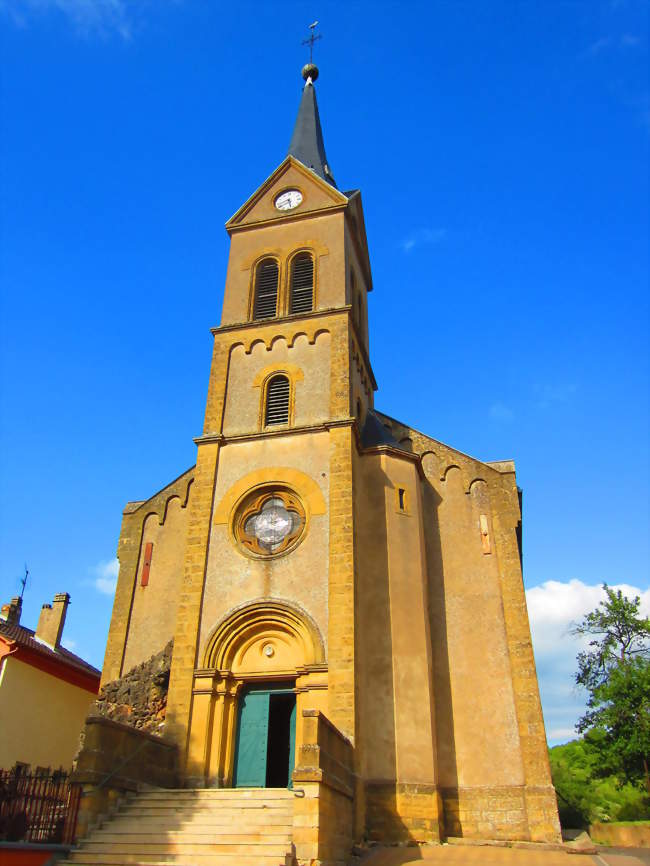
(263, 664)
(265, 744)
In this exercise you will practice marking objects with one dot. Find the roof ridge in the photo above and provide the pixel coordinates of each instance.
(24, 636)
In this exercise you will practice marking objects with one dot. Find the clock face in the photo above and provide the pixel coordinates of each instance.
(288, 200)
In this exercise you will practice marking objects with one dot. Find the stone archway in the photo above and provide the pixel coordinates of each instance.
(264, 641)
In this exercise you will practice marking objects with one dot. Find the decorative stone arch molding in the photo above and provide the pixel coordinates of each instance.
(263, 640)
(269, 336)
(240, 643)
(292, 371)
(305, 486)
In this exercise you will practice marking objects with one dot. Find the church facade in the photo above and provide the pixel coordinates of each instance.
(324, 561)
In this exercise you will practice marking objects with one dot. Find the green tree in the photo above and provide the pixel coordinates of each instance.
(615, 671)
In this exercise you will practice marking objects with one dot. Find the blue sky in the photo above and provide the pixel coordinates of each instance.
(502, 153)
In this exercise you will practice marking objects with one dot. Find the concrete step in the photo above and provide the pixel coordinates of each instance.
(209, 804)
(261, 815)
(82, 859)
(166, 848)
(207, 837)
(191, 828)
(181, 817)
(217, 793)
(197, 827)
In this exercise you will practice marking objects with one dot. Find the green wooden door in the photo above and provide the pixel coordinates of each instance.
(292, 744)
(252, 740)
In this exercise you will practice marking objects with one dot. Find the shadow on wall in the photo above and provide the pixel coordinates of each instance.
(444, 713)
(392, 856)
(378, 767)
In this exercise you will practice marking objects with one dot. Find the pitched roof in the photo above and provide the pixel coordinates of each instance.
(307, 140)
(375, 433)
(24, 637)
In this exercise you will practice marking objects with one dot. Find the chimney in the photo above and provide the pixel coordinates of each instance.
(52, 619)
(10, 613)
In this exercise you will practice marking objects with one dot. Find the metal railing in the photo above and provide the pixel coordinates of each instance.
(38, 807)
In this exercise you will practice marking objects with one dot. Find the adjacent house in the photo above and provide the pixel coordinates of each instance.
(45, 690)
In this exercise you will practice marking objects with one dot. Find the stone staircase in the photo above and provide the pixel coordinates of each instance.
(195, 827)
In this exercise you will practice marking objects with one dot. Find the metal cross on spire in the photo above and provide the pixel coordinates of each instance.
(312, 38)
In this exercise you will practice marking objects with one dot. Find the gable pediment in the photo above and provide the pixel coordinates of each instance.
(317, 195)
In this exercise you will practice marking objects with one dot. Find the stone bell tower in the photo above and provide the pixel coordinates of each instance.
(323, 560)
(290, 384)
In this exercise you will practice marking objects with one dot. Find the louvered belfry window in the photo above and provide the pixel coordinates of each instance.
(266, 290)
(277, 401)
(302, 284)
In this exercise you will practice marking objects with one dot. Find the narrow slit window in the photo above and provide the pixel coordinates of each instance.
(302, 284)
(277, 401)
(266, 290)
(401, 498)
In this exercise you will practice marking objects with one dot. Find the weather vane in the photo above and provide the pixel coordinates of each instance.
(312, 38)
(23, 581)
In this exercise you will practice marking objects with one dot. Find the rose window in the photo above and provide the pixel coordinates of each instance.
(270, 522)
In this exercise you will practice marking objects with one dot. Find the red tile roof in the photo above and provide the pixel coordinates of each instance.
(24, 637)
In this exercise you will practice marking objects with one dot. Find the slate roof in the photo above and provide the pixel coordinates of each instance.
(376, 433)
(25, 637)
(307, 140)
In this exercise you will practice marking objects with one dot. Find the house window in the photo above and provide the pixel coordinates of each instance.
(302, 284)
(276, 409)
(266, 290)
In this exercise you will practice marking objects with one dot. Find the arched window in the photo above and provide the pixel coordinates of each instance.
(266, 290)
(302, 284)
(276, 410)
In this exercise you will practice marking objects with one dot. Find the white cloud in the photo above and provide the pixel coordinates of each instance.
(551, 395)
(421, 237)
(106, 573)
(553, 607)
(86, 16)
(599, 45)
(501, 412)
(605, 43)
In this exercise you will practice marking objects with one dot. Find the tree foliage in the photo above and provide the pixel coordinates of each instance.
(615, 671)
(585, 794)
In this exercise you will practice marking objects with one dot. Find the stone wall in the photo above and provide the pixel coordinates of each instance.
(632, 835)
(323, 781)
(139, 698)
(115, 760)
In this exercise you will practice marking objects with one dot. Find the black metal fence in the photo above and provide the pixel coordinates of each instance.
(38, 807)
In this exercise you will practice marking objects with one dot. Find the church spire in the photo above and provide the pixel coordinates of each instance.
(307, 139)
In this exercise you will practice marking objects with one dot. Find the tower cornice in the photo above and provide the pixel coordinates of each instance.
(267, 330)
(287, 218)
